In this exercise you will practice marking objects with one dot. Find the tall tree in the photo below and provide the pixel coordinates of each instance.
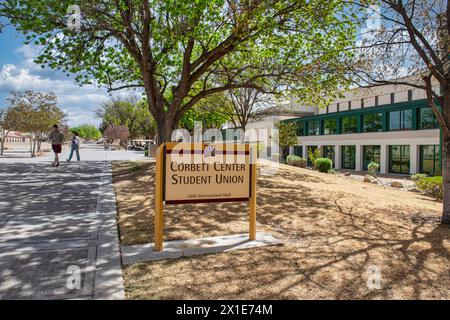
(407, 42)
(287, 137)
(9, 121)
(38, 112)
(87, 131)
(180, 52)
(128, 111)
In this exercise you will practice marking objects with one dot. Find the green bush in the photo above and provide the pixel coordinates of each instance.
(332, 171)
(323, 164)
(416, 177)
(313, 156)
(373, 167)
(297, 161)
(146, 153)
(432, 186)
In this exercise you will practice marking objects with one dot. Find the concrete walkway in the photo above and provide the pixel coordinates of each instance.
(58, 231)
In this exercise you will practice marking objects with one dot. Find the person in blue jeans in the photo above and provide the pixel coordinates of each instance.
(74, 147)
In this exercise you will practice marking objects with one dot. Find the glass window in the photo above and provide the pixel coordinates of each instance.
(373, 122)
(314, 127)
(350, 125)
(399, 159)
(400, 120)
(311, 149)
(298, 151)
(430, 160)
(371, 153)
(328, 152)
(427, 120)
(348, 157)
(330, 126)
(300, 126)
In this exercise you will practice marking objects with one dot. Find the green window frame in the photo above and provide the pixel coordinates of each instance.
(348, 157)
(373, 122)
(350, 124)
(430, 160)
(371, 153)
(313, 127)
(300, 128)
(329, 152)
(399, 159)
(427, 119)
(330, 126)
(401, 120)
(298, 151)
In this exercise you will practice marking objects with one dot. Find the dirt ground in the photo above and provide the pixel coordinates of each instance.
(335, 232)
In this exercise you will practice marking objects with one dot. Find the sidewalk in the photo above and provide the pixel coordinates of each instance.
(58, 231)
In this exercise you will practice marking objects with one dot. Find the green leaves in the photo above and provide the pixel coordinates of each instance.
(182, 51)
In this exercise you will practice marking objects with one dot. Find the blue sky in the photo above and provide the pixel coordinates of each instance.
(19, 72)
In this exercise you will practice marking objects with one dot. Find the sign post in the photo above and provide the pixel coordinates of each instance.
(199, 173)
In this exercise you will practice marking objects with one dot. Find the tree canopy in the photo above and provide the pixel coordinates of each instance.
(87, 131)
(180, 52)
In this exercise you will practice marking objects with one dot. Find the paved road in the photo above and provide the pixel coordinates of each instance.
(58, 232)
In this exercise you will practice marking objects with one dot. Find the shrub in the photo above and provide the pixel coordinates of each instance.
(323, 164)
(373, 167)
(313, 156)
(432, 186)
(146, 153)
(416, 177)
(332, 171)
(297, 161)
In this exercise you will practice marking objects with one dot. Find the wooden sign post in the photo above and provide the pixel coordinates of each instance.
(199, 173)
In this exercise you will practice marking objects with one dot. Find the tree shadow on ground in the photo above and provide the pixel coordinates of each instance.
(333, 231)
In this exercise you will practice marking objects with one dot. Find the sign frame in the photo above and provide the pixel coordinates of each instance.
(160, 186)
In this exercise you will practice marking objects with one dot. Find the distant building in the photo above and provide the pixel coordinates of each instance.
(14, 137)
(390, 125)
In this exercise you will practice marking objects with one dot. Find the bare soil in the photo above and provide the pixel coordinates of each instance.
(335, 230)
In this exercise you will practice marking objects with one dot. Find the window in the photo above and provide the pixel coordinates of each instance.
(350, 125)
(311, 149)
(399, 159)
(328, 152)
(330, 126)
(373, 122)
(400, 120)
(314, 127)
(300, 126)
(298, 151)
(430, 160)
(371, 153)
(348, 157)
(427, 120)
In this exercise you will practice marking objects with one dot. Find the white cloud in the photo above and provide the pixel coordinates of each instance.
(78, 102)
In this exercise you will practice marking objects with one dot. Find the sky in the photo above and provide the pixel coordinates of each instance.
(19, 72)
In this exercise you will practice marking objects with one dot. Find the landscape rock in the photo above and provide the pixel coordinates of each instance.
(396, 184)
(368, 179)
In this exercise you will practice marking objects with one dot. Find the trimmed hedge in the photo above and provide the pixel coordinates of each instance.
(417, 176)
(373, 167)
(297, 161)
(432, 186)
(323, 164)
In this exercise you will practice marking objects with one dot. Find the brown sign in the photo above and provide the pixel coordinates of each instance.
(200, 172)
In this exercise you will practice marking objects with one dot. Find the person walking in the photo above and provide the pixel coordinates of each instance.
(74, 147)
(57, 138)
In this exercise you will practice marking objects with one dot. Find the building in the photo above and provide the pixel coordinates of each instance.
(390, 125)
(14, 137)
(265, 120)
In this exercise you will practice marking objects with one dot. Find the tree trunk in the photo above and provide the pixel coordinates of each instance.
(446, 178)
(164, 132)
